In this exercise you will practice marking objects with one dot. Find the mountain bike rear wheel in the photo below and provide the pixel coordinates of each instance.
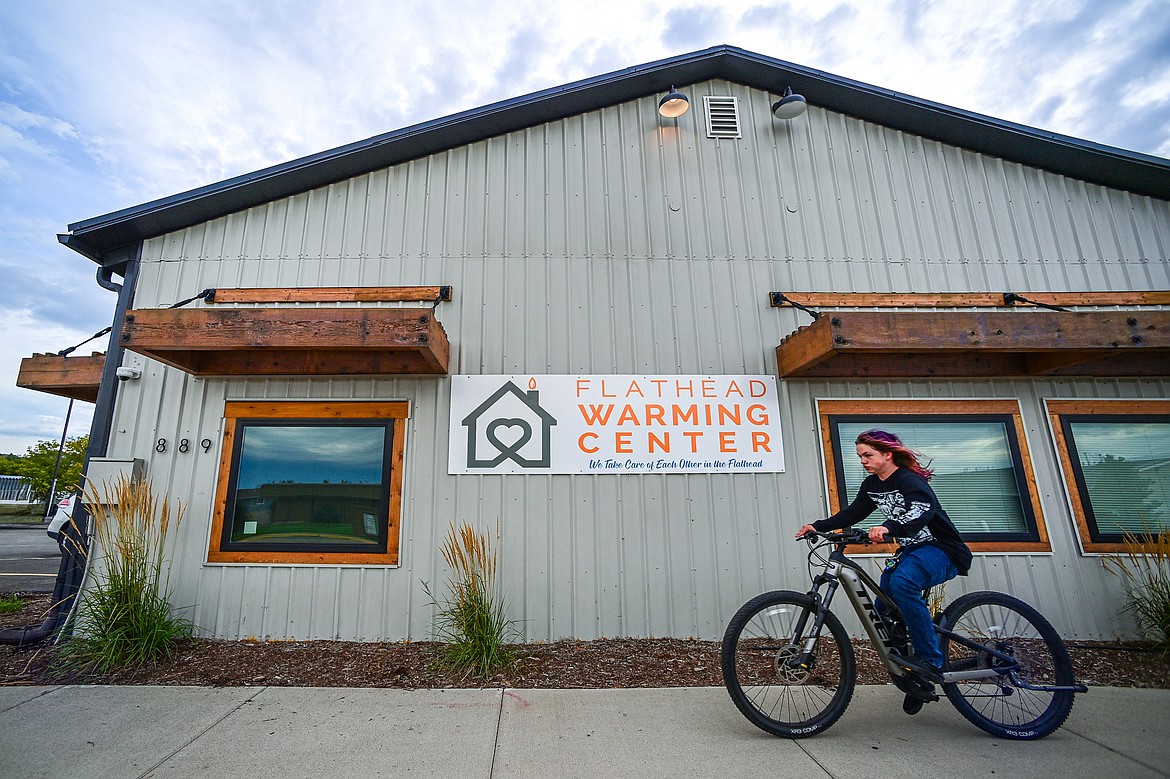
(775, 693)
(997, 704)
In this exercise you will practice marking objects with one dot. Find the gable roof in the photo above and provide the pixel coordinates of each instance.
(1139, 173)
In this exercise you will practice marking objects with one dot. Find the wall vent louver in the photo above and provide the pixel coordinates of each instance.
(722, 117)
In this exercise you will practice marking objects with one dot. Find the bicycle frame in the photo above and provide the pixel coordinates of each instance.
(860, 589)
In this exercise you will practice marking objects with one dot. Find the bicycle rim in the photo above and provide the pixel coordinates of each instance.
(996, 704)
(774, 695)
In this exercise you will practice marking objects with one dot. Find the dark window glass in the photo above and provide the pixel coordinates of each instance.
(1122, 469)
(305, 485)
(978, 471)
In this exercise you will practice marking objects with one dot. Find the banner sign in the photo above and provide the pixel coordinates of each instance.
(615, 424)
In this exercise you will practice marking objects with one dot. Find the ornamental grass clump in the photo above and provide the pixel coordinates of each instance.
(472, 623)
(1144, 570)
(124, 618)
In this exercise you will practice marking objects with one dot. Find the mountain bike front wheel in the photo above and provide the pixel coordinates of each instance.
(996, 703)
(777, 694)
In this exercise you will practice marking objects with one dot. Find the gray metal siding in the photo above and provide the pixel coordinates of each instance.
(615, 242)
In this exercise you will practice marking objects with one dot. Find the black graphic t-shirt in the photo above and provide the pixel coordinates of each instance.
(912, 513)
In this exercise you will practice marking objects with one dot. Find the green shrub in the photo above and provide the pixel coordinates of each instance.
(124, 619)
(10, 604)
(472, 622)
(1144, 570)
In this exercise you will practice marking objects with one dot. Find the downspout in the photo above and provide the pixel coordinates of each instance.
(74, 537)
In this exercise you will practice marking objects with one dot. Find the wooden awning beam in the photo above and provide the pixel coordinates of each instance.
(290, 341)
(965, 299)
(433, 294)
(899, 344)
(69, 377)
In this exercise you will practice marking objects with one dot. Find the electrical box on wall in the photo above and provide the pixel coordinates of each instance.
(103, 473)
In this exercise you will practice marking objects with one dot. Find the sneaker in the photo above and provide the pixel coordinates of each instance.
(933, 672)
(916, 665)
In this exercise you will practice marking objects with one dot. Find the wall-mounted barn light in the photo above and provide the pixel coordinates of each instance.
(790, 106)
(674, 105)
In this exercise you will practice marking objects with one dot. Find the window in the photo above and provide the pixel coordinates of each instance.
(1115, 457)
(310, 482)
(977, 449)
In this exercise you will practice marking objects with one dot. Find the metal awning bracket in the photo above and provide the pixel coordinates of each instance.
(779, 299)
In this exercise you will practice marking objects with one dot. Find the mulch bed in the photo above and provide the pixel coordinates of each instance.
(602, 663)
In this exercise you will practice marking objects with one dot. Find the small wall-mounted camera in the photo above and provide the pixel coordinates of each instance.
(125, 374)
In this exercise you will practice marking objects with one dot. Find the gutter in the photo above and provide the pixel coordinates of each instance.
(74, 536)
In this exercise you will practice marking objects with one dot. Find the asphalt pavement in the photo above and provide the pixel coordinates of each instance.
(124, 731)
(29, 559)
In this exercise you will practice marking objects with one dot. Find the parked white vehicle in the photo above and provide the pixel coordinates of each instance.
(62, 517)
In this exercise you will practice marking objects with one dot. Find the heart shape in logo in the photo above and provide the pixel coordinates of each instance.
(517, 432)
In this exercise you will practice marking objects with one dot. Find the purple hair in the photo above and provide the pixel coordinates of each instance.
(904, 456)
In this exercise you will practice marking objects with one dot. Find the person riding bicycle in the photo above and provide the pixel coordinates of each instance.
(930, 550)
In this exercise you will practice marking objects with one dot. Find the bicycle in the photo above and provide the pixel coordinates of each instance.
(1006, 669)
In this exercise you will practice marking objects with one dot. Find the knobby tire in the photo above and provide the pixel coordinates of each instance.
(775, 697)
(1012, 627)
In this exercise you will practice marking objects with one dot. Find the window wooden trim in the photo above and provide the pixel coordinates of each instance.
(317, 410)
(1057, 408)
(895, 407)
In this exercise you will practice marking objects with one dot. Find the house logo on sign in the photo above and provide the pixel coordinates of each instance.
(510, 425)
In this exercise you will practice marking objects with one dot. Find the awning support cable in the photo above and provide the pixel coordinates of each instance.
(71, 349)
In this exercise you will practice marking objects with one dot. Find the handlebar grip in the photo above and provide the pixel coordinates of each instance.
(847, 536)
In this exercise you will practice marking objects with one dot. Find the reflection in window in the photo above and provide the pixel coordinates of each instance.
(309, 485)
(1122, 468)
(978, 473)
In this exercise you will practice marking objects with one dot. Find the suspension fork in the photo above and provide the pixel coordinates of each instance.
(821, 604)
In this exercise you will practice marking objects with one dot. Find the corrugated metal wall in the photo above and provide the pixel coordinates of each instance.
(616, 242)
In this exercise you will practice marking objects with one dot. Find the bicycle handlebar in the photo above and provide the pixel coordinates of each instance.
(849, 535)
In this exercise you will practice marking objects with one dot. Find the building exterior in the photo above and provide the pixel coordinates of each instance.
(15, 489)
(576, 320)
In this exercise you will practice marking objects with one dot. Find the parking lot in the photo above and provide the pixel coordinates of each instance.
(28, 559)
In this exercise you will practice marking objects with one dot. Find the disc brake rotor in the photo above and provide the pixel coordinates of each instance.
(789, 672)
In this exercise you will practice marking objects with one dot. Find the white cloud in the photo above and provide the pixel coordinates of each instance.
(105, 104)
(17, 117)
(1152, 91)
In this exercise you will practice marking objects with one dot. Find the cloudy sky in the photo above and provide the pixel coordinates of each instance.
(107, 104)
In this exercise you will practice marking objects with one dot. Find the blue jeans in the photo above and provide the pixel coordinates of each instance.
(919, 568)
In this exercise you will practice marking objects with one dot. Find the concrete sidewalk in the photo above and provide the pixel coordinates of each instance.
(122, 731)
